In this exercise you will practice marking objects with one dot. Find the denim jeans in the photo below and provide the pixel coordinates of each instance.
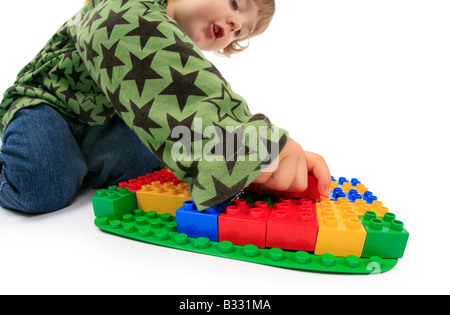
(46, 158)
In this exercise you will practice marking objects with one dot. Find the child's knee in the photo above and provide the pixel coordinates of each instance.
(45, 199)
(40, 204)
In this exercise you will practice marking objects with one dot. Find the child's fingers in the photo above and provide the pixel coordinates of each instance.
(319, 168)
(282, 179)
(267, 172)
(300, 181)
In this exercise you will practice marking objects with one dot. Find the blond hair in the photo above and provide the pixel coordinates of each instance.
(266, 11)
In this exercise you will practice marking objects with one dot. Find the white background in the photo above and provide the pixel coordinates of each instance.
(364, 83)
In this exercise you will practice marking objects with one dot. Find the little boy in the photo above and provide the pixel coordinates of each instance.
(122, 86)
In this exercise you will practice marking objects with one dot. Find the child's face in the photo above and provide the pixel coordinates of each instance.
(214, 24)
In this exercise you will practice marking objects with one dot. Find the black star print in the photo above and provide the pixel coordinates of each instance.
(114, 98)
(53, 89)
(262, 117)
(60, 73)
(271, 148)
(86, 115)
(107, 112)
(190, 171)
(187, 122)
(146, 30)
(69, 94)
(196, 183)
(184, 49)
(141, 71)
(142, 117)
(75, 75)
(224, 192)
(90, 52)
(177, 26)
(28, 90)
(60, 45)
(148, 8)
(94, 18)
(226, 104)
(182, 87)
(113, 20)
(110, 61)
(231, 145)
(89, 97)
(85, 19)
(124, 2)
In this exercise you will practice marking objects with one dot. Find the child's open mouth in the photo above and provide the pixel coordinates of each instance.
(215, 31)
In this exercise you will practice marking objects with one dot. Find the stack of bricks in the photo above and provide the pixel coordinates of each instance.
(350, 222)
(159, 191)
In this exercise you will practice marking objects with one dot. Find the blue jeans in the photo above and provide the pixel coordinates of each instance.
(46, 158)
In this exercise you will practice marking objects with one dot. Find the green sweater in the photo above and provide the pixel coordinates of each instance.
(128, 58)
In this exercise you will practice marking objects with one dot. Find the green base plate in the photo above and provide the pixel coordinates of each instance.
(157, 229)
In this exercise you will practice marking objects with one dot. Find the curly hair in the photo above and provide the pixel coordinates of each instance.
(266, 11)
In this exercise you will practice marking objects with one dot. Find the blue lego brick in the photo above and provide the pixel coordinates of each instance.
(352, 194)
(196, 223)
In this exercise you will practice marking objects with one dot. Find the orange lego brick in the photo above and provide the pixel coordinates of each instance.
(162, 198)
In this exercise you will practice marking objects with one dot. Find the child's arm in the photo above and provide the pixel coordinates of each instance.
(162, 86)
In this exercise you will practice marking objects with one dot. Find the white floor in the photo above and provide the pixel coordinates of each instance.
(365, 84)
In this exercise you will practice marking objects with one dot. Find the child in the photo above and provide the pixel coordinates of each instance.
(122, 86)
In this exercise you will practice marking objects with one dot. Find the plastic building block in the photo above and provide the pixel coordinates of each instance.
(386, 237)
(352, 190)
(113, 203)
(311, 192)
(163, 176)
(292, 225)
(161, 229)
(252, 197)
(194, 223)
(244, 223)
(341, 232)
(166, 198)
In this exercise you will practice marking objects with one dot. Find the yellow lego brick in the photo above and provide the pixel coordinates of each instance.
(341, 232)
(347, 186)
(165, 198)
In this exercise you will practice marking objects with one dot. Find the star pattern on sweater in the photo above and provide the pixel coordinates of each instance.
(223, 191)
(141, 71)
(225, 105)
(142, 117)
(146, 30)
(114, 19)
(183, 86)
(184, 49)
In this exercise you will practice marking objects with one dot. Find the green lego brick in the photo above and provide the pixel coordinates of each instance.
(160, 229)
(114, 203)
(386, 237)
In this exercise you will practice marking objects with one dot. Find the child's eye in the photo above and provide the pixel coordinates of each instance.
(234, 4)
(237, 33)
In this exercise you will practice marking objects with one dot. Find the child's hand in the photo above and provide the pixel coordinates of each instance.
(289, 172)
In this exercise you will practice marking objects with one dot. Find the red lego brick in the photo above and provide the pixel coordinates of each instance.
(244, 223)
(293, 225)
(311, 192)
(163, 176)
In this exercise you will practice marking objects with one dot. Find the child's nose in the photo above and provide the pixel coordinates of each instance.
(234, 23)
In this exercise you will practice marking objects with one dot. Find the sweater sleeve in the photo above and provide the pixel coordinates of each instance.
(175, 100)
